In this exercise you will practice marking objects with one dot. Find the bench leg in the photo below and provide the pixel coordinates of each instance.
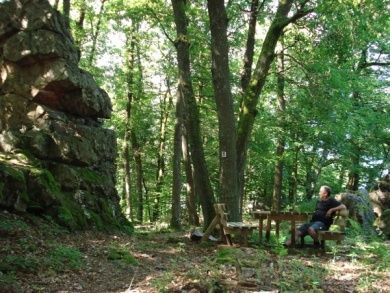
(323, 244)
(244, 234)
(302, 241)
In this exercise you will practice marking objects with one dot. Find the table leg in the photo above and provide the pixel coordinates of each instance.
(293, 233)
(261, 228)
(268, 229)
(277, 228)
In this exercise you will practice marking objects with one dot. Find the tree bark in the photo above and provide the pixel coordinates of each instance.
(126, 157)
(140, 175)
(293, 182)
(353, 174)
(79, 35)
(165, 105)
(250, 45)
(193, 217)
(280, 112)
(66, 12)
(225, 111)
(251, 96)
(176, 165)
(127, 137)
(201, 175)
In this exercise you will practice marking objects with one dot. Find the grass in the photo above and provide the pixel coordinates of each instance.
(7, 279)
(13, 263)
(62, 258)
(161, 283)
(12, 225)
(121, 254)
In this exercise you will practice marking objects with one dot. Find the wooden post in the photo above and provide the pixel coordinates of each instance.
(261, 228)
(293, 232)
(268, 229)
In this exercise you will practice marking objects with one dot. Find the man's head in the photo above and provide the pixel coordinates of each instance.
(324, 192)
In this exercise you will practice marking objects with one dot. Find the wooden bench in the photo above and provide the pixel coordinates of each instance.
(340, 220)
(228, 228)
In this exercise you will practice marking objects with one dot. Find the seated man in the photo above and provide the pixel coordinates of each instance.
(322, 217)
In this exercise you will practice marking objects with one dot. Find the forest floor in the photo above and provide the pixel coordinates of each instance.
(38, 256)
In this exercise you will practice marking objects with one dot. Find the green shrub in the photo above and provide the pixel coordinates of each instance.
(307, 206)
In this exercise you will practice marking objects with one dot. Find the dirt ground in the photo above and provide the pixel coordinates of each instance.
(171, 262)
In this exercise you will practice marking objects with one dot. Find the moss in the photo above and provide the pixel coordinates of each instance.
(70, 213)
(90, 176)
(96, 220)
(46, 178)
(13, 172)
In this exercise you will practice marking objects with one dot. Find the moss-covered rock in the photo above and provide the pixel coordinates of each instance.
(56, 157)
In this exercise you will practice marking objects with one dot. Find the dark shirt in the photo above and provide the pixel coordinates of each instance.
(322, 207)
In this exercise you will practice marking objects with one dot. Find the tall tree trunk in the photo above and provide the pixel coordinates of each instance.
(193, 217)
(126, 162)
(127, 138)
(293, 182)
(281, 108)
(80, 24)
(224, 101)
(309, 182)
(250, 46)
(137, 151)
(201, 175)
(165, 105)
(251, 96)
(66, 12)
(177, 154)
(96, 34)
(353, 174)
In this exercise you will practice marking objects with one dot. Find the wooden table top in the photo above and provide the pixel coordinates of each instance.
(280, 215)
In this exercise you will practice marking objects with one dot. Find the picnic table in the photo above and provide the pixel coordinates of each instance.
(293, 217)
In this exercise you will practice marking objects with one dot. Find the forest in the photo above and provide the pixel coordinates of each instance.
(124, 121)
(287, 108)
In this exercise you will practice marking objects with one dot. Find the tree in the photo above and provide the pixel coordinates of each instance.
(224, 101)
(202, 183)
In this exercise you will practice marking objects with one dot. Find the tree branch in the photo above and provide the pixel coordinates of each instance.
(298, 15)
(161, 25)
(368, 64)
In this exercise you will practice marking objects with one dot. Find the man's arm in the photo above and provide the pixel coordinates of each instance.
(335, 209)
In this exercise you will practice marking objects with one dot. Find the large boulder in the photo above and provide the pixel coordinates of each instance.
(56, 156)
(380, 200)
(359, 208)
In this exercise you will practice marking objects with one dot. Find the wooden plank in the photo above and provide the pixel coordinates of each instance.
(211, 228)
